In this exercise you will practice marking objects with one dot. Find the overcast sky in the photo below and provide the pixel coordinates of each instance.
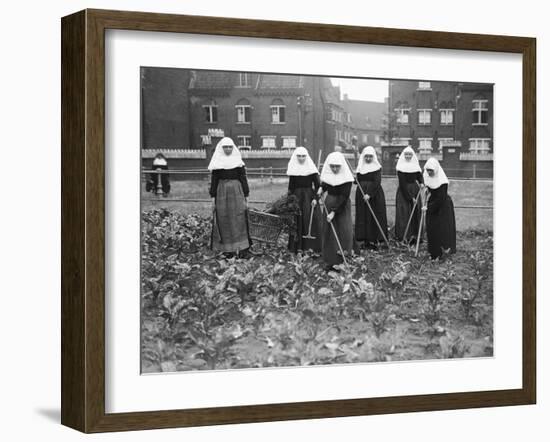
(362, 89)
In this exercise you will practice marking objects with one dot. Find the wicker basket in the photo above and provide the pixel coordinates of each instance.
(265, 227)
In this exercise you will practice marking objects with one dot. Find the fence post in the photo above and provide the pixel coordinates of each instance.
(262, 173)
(271, 174)
(159, 182)
(474, 171)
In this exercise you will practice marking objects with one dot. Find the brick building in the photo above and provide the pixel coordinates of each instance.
(366, 119)
(186, 112)
(448, 120)
(257, 111)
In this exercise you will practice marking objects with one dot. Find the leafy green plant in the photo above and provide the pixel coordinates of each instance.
(280, 309)
(394, 282)
(453, 347)
(382, 315)
(432, 311)
(467, 300)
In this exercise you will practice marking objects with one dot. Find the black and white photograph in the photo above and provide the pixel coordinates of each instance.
(298, 220)
(242, 221)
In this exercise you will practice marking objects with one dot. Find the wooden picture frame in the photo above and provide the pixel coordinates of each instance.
(83, 220)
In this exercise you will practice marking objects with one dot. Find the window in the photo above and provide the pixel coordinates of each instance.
(337, 134)
(336, 115)
(277, 112)
(377, 139)
(243, 111)
(244, 79)
(268, 142)
(348, 118)
(211, 112)
(425, 145)
(244, 141)
(425, 116)
(443, 141)
(479, 145)
(402, 115)
(289, 142)
(480, 112)
(447, 116)
(424, 86)
(364, 138)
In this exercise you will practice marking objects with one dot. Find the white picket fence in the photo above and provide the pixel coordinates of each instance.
(201, 153)
(174, 153)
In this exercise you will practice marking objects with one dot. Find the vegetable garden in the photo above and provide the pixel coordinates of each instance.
(201, 311)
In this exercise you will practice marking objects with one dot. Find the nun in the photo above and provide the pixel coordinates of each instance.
(304, 183)
(440, 213)
(369, 177)
(409, 175)
(229, 191)
(336, 182)
(159, 164)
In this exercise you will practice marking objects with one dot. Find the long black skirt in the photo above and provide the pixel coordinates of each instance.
(342, 223)
(305, 196)
(441, 229)
(403, 209)
(365, 225)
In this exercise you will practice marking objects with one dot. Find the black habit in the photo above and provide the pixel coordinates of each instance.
(440, 222)
(337, 201)
(305, 189)
(365, 225)
(407, 190)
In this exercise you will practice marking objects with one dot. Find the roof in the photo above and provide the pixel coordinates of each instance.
(330, 92)
(272, 84)
(223, 81)
(271, 81)
(365, 114)
(211, 80)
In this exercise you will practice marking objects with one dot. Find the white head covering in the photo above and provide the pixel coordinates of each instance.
(408, 166)
(159, 161)
(364, 167)
(343, 176)
(439, 177)
(296, 169)
(222, 161)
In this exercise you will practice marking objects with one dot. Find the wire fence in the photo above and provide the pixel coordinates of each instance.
(277, 172)
(268, 173)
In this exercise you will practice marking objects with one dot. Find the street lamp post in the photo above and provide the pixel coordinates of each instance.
(299, 101)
